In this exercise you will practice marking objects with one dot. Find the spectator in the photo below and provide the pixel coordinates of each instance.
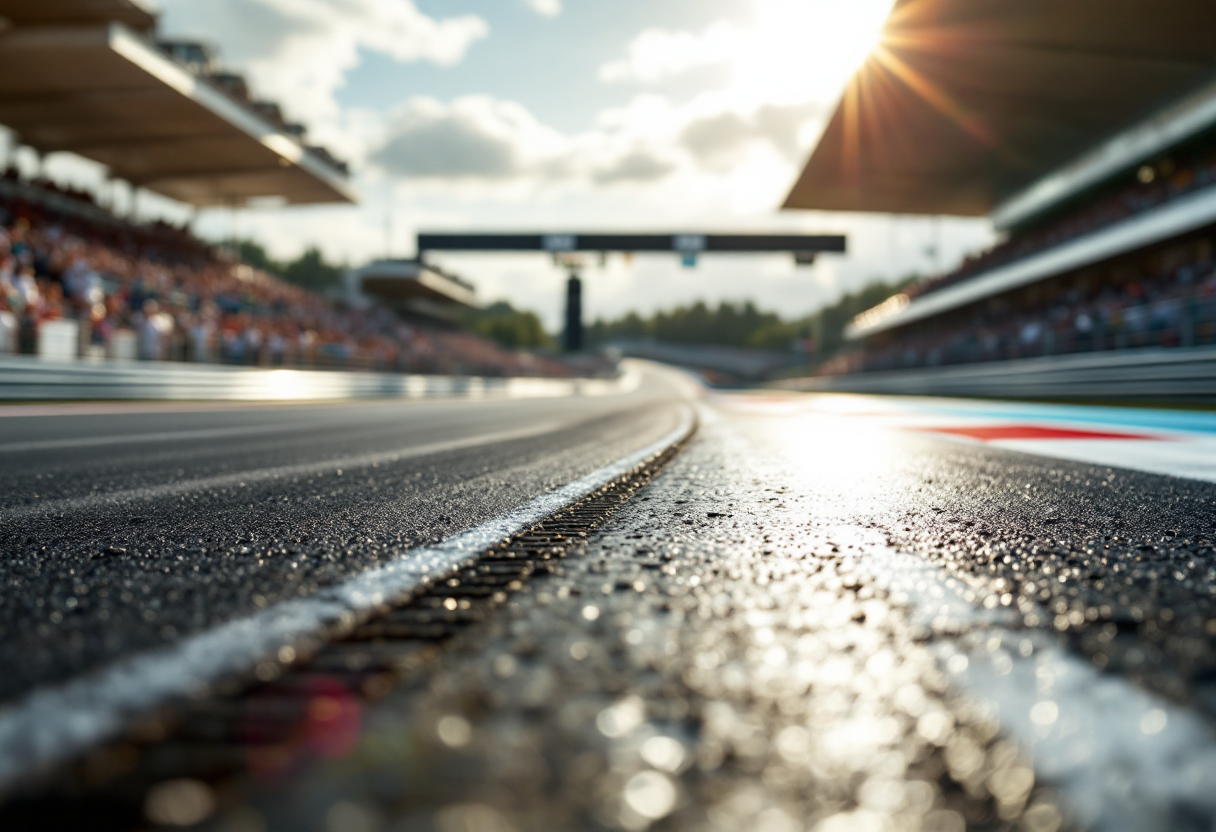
(1166, 308)
(181, 299)
(1192, 170)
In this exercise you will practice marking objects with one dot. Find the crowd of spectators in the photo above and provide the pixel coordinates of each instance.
(155, 292)
(1166, 307)
(1154, 185)
(1161, 307)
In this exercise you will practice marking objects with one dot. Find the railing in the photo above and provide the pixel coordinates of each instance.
(1174, 323)
(1185, 374)
(25, 378)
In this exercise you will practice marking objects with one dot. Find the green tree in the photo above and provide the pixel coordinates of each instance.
(729, 324)
(510, 327)
(830, 322)
(253, 254)
(779, 336)
(312, 272)
(632, 327)
(744, 325)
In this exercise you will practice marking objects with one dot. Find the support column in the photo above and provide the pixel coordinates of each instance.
(10, 149)
(574, 313)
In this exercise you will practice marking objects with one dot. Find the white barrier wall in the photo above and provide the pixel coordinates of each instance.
(123, 346)
(58, 340)
(23, 378)
(8, 332)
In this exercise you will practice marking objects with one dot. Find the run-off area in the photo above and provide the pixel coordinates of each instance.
(803, 629)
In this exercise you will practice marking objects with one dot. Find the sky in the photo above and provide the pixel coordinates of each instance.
(566, 115)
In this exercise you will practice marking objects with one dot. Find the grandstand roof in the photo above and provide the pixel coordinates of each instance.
(133, 13)
(106, 93)
(965, 103)
(410, 280)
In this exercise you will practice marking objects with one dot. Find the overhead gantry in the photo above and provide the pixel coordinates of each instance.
(567, 248)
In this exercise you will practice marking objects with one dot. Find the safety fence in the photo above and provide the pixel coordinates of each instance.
(24, 378)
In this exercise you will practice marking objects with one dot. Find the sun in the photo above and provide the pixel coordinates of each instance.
(806, 50)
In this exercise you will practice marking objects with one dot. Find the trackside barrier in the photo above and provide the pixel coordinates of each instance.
(58, 340)
(1150, 375)
(24, 378)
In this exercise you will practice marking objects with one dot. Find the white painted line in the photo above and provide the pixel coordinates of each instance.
(1123, 759)
(1190, 457)
(9, 410)
(242, 479)
(54, 724)
(135, 438)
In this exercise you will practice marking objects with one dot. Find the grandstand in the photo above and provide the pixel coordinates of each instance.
(1086, 131)
(77, 281)
(90, 78)
(414, 290)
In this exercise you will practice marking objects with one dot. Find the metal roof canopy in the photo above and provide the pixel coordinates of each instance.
(136, 14)
(105, 93)
(407, 279)
(677, 243)
(967, 102)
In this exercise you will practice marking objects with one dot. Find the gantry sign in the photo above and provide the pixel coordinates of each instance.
(564, 247)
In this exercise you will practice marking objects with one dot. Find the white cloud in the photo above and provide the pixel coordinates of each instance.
(548, 8)
(475, 137)
(656, 54)
(635, 166)
(484, 140)
(299, 51)
(716, 139)
(794, 50)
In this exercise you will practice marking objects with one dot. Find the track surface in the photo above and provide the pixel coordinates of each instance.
(127, 531)
(829, 613)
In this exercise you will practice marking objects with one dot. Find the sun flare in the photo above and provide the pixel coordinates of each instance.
(805, 50)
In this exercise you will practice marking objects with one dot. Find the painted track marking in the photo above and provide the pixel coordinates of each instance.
(53, 724)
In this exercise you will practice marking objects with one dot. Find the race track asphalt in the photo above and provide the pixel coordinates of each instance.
(129, 530)
(818, 617)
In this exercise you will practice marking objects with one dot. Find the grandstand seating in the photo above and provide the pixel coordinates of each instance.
(1160, 296)
(1136, 306)
(1153, 186)
(155, 292)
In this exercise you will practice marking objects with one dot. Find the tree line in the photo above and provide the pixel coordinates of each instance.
(310, 270)
(744, 325)
(513, 328)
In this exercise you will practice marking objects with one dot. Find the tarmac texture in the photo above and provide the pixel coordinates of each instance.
(803, 623)
(705, 663)
(151, 526)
